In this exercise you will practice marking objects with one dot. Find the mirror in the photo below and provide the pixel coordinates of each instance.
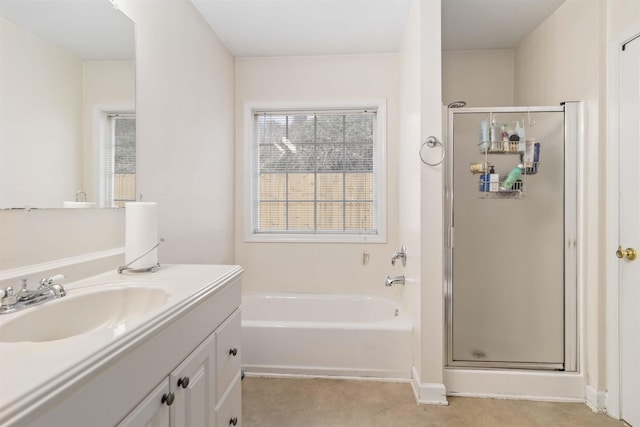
(64, 66)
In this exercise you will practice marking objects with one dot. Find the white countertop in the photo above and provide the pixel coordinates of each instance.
(31, 372)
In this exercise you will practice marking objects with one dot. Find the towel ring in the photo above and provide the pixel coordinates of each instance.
(431, 142)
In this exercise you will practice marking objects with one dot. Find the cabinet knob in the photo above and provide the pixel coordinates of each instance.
(168, 398)
(233, 352)
(233, 421)
(183, 382)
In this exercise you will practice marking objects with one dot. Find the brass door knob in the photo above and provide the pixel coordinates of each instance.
(629, 253)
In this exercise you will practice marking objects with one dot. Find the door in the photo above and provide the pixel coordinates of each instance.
(152, 411)
(510, 254)
(629, 232)
(194, 385)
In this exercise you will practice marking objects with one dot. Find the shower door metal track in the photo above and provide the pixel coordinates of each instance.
(572, 133)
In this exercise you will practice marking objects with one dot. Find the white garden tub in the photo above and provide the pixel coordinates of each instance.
(323, 334)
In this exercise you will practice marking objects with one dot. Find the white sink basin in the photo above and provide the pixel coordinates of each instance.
(104, 308)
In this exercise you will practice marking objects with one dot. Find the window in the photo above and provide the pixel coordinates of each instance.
(119, 177)
(317, 175)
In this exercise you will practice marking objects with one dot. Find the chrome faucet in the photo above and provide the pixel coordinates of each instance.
(394, 280)
(402, 255)
(10, 301)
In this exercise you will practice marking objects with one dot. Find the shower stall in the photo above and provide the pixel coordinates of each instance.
(511, 285)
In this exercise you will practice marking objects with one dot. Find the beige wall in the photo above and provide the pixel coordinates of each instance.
(317, 267)
(40, 121)
(491, 82)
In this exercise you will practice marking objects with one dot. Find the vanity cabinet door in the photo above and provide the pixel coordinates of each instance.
(193, 383)
(153, 411)
(229, 409)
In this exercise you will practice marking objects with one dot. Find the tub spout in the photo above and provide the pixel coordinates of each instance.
(393, 280)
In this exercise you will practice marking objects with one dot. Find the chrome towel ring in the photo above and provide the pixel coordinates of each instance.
(431, 142)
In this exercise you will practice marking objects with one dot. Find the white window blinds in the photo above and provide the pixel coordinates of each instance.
(119, 178)
(316, 172)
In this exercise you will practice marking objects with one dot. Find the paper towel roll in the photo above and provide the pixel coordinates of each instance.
(141, 234)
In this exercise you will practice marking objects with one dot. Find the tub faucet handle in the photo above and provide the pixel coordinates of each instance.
(401, 255)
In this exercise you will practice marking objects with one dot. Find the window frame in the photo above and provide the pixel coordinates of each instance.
(250, 108)
(103, 180)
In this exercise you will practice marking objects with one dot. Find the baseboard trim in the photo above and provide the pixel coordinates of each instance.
(428, 393)
(516, 384)
(596, 400)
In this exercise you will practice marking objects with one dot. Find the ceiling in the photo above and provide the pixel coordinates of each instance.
(253, 28)
(89, 29)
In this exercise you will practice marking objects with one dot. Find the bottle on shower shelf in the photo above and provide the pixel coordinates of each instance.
(494, 180)
(511, 179)
(485, 142)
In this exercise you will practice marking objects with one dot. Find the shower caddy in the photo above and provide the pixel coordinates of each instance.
(493, 190)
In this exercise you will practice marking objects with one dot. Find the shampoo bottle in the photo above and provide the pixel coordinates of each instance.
(484, 181)
(484, 143)
(513, 176)
(496, 137)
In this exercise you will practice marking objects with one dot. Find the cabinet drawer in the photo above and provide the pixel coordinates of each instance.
(228, 353)
(229, 409)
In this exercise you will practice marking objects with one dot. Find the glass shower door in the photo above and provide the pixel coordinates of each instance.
(507, 267)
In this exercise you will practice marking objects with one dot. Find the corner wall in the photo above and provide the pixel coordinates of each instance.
(566, 59)
(560, 61)
(185, 89)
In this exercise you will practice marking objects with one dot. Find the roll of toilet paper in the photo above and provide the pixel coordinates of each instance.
(141, 234)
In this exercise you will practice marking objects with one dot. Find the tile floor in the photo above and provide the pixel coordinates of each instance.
(308, 402)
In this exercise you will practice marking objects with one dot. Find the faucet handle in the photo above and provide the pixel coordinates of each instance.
(52, 280)
(8, 297)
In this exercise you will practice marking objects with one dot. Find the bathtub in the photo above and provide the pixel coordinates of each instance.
(325, 335)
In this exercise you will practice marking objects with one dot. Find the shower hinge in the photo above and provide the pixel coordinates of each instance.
(451, 237)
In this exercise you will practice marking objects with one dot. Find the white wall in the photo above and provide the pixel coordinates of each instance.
(491, 83)
(108, 86)
(321, 267)
(409, 225)
(40, 120)
(431, 206)
(185, 91)
(421, 216)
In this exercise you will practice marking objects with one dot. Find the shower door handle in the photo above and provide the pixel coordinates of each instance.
(629, 253)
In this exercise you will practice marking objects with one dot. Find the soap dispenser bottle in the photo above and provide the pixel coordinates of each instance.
(494, 180)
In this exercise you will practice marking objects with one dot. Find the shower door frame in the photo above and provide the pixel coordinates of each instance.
(572, 133)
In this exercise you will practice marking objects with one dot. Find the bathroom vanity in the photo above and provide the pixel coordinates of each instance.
(172, 359)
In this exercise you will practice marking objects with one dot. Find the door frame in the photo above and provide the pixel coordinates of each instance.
(612, 400)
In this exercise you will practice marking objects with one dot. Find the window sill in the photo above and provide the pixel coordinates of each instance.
(315, 238)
